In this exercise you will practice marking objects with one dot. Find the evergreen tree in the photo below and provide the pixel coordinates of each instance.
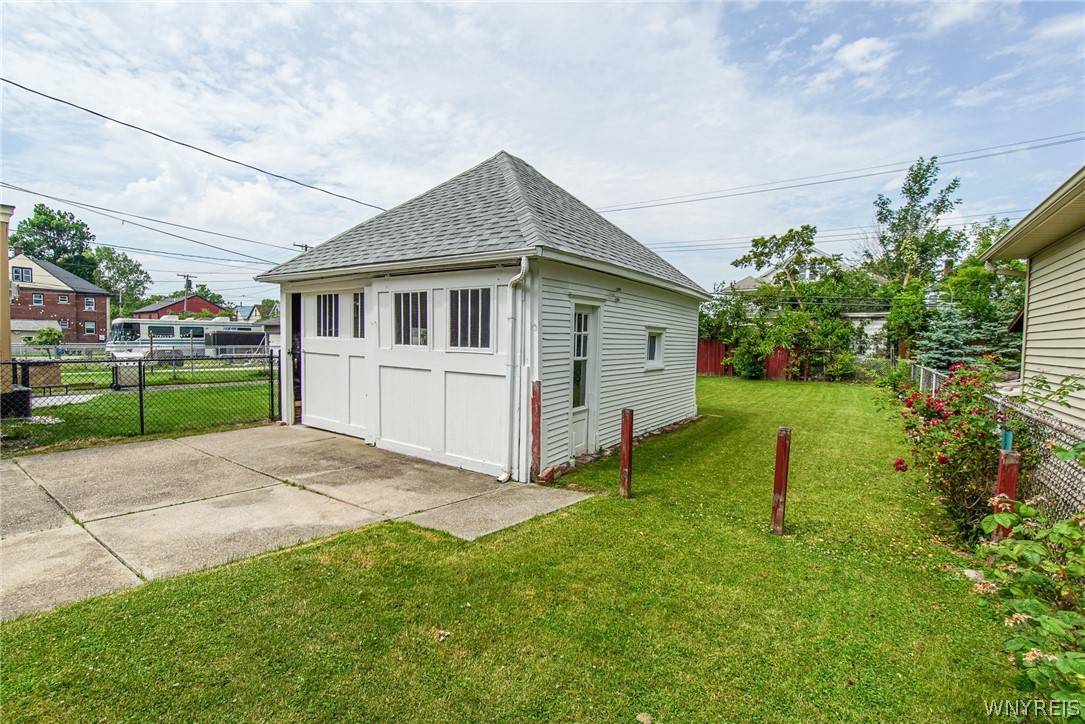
(945, 341)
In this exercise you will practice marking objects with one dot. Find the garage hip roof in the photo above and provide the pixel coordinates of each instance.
(502, 204)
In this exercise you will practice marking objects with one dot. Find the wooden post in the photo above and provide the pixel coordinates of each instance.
(779, 486)
(626, 462)
(536, 427)
(6, 381)
(1009, 468)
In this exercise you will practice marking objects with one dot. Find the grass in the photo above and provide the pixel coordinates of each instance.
(678, 603)
(116, 415)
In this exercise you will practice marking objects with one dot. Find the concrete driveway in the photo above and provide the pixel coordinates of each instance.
(82, 523)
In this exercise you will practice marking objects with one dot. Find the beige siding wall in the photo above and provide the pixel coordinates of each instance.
(1055, 318)
(626, 310)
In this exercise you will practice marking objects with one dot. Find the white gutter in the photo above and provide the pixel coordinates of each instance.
(511, 367)
(409, 265)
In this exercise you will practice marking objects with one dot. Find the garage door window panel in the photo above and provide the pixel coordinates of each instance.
(470, 319)
(411, 319)
(327, 315)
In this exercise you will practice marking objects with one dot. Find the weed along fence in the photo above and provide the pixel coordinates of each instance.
(77, 400)
(1060, 482)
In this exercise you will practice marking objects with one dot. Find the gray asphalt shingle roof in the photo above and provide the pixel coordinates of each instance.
(73, 282)
(502, 204)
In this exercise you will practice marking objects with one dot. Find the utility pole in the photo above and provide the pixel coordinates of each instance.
(6, 210)
(188, 289)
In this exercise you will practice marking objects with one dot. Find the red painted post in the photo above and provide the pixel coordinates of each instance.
(779, 485)
(1009, 468)
(536, 426)
(626, 462)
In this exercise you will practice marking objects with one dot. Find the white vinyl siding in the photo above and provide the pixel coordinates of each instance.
(1055, 318)
(626, 309)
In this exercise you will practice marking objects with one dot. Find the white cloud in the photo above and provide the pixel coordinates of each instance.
(830, 42)
(866, 55)
(936, 17)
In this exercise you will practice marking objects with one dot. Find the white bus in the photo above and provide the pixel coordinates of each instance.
(174, 337)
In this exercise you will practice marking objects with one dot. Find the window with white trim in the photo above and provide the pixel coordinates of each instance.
(327, 315)
(64, 323)
(653, 357)
(90, 328)
(37, 299)
(469, 318)
(580, 359)
(22, 274)
(411, 318)
(358, 321)
(88, 303)
(62, 299)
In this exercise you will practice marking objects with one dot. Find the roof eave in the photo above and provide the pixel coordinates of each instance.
(624, 272)
(432, 264)
(1044, 225)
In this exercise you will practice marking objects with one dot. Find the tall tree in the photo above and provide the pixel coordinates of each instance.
(58, 237)
(120, 274)
(202, 290)
(789, 254)
(910, 244)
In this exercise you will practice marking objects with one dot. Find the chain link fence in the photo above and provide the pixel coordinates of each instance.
(1060, 483)
(57, 401)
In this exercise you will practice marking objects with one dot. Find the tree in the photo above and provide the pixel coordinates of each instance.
(269, 302)
(790, 254)
(945, 343)
(48, 337)
(910, 244)
(120, 274)
(202, 290)
(57, 237)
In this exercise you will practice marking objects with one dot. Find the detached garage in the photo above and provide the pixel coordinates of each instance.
(495, 323)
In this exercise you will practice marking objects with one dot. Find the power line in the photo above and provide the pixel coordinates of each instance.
(84, 204)
(821, 232)
(645, 205)
(152, 252)
(189, 145)
(151, 228)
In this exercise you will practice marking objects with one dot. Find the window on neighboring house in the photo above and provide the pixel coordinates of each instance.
(469, 318)
(37, 299)
(64, 324)
(88, 303)
(327, 315)
(22, 274)
(359, 315)
(654, 352)
(580, 359)
(89, 328)
(412, 318)
(62, 299)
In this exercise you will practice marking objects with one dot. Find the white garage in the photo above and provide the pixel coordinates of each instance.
(495, 323)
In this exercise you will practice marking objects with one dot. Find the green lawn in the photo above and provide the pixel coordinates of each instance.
(110, 414)
(678, 603)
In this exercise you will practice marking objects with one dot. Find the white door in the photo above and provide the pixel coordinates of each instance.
(580, 419)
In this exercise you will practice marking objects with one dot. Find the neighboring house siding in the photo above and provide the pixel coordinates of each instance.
(1055, 318)
(625, 311)
(195, 305)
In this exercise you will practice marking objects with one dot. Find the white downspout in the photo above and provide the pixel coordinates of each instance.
(511, 366)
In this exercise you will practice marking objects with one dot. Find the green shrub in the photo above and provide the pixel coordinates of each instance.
(1037, 580)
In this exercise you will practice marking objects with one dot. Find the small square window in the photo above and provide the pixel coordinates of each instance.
(37, 299)
(327, 315)
(358, 327)
(469, 318)
(89, 328)
(411, 318)
(62, 299)
(64, 324)
(88, 303)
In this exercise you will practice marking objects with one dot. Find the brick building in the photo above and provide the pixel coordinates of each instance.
(193, 304)
(48, 296)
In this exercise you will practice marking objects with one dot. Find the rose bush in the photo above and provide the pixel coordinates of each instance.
(955, 437)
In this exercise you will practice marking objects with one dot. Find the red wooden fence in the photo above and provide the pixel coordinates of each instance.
(710, 358)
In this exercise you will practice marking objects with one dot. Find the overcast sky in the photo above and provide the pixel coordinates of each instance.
(617, 103)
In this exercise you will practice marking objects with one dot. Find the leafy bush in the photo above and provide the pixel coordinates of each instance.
(1037, 583)
(955, 440)
(49, 337)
